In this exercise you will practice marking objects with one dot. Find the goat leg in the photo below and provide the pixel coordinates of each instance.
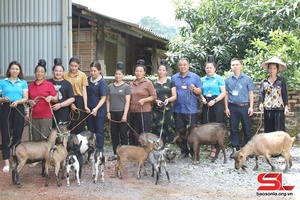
(96, 165)
(102, 172)
(157, 176)
(68, 178)
(268, 160)
(56, 175)
(78, 177)
(256, 164)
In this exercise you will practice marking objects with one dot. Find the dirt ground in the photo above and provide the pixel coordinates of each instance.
(205, 180)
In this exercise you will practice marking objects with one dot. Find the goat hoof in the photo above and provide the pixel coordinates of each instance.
(68, 185)
(63, 177)
(194, 162)
(95, 182)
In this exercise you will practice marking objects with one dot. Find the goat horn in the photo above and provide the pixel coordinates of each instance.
(175, 138)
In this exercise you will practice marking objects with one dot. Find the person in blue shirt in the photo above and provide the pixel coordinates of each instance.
(213, 97)
(96, 103)
(239, 102)
(188, 87)
(13, 92)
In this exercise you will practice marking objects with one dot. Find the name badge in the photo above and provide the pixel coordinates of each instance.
(183, 86)
(208, 94)
(235, 92)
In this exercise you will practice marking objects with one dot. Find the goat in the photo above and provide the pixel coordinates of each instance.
(74, 161)
(211, 133)
(58, 155)
(87, 138)
(30, 152)
(158, 159)
(266, 144)
(128, 153)
(145, 137)
(98, 159)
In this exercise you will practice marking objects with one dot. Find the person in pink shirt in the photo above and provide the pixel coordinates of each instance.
(41, 94)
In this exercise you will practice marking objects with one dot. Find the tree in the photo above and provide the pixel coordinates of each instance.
(226, 28)
(158, 28)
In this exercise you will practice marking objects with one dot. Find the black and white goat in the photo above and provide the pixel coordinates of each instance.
(98, 158)
(157, 158)
(87, 138)
(74, 162)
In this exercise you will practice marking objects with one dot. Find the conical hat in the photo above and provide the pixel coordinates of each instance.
(276, 60)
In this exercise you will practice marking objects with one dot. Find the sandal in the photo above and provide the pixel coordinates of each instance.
(112, 158)
(5, 169)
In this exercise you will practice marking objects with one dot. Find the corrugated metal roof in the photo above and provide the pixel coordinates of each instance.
(141, 28)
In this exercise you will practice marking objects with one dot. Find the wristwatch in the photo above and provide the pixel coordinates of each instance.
(216, 100)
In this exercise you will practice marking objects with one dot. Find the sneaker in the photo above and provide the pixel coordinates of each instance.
(112, 158)
(5, 169)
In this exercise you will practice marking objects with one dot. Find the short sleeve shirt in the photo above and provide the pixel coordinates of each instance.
(163, 91)
(187, 101)
(95, 91)
(78, 81)
(211, 85)
(14, 91)
(117, 96)
(42, 108)
(238, 88)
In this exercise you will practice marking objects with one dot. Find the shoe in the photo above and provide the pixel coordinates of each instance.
(184, 155)
(232, 154)
(112, 158)
(5, 169)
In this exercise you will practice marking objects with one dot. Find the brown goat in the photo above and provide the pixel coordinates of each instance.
(30, 152)
(266, 144)
(128, 153)
(58, 155)
(211, 133)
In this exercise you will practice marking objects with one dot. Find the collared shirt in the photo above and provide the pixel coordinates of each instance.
(14, 91)
(141, 90)
(273, 97)
(95, 91)
(186, 102)
(212, 84)
(44, 89)
(238, 88)
(77, 81)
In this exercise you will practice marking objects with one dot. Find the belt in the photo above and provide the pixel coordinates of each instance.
(239, 105)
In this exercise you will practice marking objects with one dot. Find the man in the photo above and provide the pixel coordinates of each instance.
(188, 86)
(239, 101)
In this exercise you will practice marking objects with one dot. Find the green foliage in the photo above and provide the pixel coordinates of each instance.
(286, 46)
(154, 24)
(226, 28)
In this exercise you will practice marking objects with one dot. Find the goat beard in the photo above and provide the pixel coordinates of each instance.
(244, 167)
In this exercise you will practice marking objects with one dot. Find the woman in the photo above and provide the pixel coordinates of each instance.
(13, 92)
(117, 103)
(212, 97)
(64, 93)
(41, 94)
(96, 93)
(273, 96)
(79, 83)
(142, 94)
(163, 109)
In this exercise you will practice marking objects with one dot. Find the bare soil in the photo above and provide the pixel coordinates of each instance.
(205, 180)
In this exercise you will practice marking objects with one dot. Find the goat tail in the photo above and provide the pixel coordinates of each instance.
(52, 152)
(14, 147)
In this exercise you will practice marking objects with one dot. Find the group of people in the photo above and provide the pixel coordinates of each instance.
(162, 106)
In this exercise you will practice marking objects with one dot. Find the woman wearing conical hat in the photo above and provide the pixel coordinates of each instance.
(273, 96)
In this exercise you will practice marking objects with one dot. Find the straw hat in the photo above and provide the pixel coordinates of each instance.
(276, 60)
